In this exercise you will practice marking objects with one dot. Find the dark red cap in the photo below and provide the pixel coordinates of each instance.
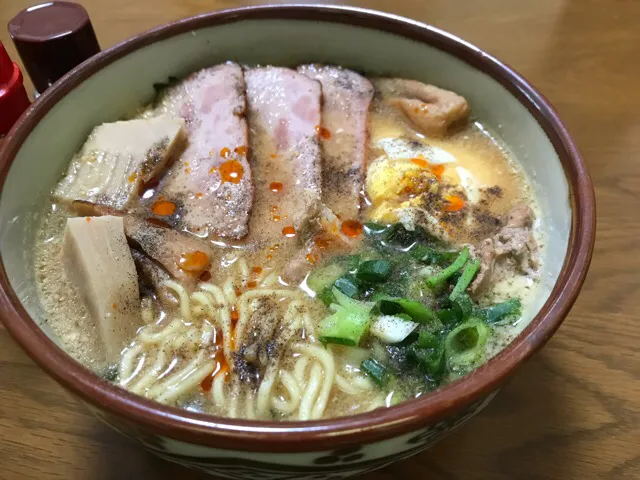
(52, 38)
(13, 96)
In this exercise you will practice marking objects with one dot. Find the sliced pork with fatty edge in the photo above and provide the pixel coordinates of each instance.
(211, 187)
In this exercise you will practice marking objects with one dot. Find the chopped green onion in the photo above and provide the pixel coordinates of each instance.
(326, 296)
(465, 279)
(349, 322)
(440, 277)
(347, 286)
(430, 360)
(416, 310)
(427, 339)
(464, 345)
(323, 277)
(432, 256)
(374, 271)
(500, 311)
(462, 307)
(375, 370)
(447, 316)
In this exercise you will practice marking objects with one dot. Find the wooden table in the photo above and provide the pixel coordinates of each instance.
(573, 412)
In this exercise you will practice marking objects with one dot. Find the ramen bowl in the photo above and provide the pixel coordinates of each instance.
(111, 84)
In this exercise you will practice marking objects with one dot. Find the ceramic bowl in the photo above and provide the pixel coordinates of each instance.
(111, 84)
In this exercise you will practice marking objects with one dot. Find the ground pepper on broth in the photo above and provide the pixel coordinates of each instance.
(312, 314)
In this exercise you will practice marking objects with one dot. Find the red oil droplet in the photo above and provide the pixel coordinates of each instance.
(194, 262)
(276, 187)
(257, 270)
(252, 284)
(323, 132)
(225, 152)
(163, 208)
(421, 162)
(322, 242)
(231, 171)
(241, 150)
(289, 231)
(351, 228)
(454, 203)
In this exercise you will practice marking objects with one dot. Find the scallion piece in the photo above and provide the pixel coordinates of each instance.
(347, 286)
(500, 311)
(430, 360)
(440, 277)
(470, 270)
(464, 345)
(427, 339)
(375, 370)
(462, 307)
(374, 271)
(348, 323)
(416, 310)
(447, 316)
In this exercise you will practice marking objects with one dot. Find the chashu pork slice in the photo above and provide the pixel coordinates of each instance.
(118, 158)
(99, 263)
(346, 97)
(160, 252)
(185, 258)
(284, 111)
(211, 185)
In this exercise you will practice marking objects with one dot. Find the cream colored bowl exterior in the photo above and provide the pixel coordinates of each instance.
(125, 84)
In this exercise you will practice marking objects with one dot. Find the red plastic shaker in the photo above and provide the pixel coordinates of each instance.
(13, 96)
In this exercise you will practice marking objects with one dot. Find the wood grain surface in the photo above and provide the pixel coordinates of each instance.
(573, 412)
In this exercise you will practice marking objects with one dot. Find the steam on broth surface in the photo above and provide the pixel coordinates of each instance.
(269, 243)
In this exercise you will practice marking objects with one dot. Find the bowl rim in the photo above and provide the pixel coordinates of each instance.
(259, 436)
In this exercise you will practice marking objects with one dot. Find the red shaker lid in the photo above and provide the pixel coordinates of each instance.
(52, 38)
(13, 96)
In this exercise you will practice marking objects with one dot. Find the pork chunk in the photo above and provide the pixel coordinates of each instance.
(284, 117)
(431, 109)
(212, 184)
(515, 242)
(346, 97)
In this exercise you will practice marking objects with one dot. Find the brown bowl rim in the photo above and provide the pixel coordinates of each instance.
(329, 434)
